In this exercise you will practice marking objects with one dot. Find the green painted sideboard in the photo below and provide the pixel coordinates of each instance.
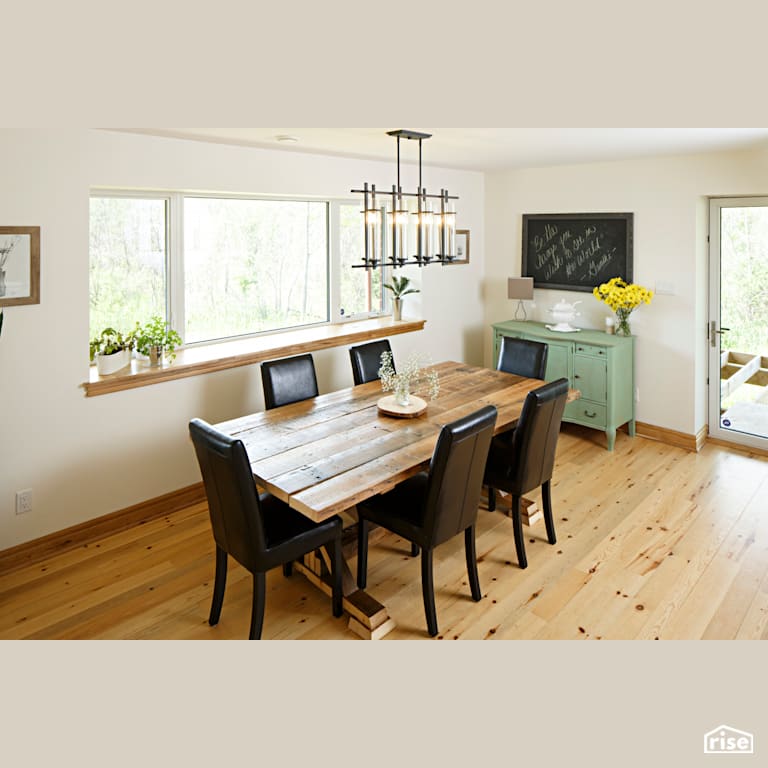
(600, 366)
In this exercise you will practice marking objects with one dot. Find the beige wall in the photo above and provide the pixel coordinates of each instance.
(86, 457)
(668, 197)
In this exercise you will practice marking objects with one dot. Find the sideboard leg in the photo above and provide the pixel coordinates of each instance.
(631, 427)
(611, 435)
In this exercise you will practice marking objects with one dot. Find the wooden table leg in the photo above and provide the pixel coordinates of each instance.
(368, 618)
(530, 513)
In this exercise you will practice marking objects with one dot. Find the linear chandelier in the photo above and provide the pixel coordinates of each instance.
(435, 231)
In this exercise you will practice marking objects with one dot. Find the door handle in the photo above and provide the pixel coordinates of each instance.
(713, 332)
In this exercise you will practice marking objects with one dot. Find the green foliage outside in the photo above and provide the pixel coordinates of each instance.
(253, 265)
(127, 262)
(744, 285)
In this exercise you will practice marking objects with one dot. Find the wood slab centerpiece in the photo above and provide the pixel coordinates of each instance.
(388, 406)
(402, 404)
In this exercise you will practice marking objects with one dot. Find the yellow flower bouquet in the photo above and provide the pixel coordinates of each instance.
(622, 298)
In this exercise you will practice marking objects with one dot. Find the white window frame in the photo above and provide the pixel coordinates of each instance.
(334, 220)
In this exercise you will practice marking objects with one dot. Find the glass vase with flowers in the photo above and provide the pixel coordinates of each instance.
(622, 298)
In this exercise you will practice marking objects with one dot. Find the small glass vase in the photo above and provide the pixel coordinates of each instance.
(403, 392)
(622, 323)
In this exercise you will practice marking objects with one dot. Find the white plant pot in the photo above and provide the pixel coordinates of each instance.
(106, 364)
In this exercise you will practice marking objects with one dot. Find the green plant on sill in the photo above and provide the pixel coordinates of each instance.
(157, 333)
(400, 286)
(110, 342)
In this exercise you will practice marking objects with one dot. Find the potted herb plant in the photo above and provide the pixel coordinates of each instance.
(400, 286)
(157, 339)
(111, 350)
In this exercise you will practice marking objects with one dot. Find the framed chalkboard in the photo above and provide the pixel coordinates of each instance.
(576, 251)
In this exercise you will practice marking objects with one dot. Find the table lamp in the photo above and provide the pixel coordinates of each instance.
(520, 288)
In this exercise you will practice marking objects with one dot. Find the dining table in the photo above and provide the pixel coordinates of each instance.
(324, 455)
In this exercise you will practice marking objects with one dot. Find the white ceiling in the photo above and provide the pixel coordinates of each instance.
(486, 149)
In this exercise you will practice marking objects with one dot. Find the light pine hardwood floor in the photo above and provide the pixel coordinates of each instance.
(653, 543)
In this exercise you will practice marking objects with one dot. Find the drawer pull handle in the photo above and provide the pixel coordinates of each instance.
(590, 415)
(576, 376)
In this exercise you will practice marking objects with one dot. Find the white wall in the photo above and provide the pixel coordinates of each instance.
(669, 199)
(86, 457)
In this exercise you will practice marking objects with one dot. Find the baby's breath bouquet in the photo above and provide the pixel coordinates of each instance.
(622, 298)
(412, 378)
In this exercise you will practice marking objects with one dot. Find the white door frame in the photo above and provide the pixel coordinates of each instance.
(713, 323)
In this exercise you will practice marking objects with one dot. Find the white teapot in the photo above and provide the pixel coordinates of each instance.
(562, 313)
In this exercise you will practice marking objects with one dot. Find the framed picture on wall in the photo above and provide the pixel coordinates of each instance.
(462, 247)
(19, 266)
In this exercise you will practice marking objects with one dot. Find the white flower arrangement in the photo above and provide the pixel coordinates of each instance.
(413, 377)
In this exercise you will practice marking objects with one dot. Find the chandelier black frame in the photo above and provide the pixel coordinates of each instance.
(399, 215)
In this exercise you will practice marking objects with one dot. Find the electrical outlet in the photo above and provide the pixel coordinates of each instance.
(23, 501)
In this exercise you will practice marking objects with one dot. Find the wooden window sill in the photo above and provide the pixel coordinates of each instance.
(195, 361)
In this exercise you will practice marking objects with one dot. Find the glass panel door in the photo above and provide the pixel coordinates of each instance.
(738, 321)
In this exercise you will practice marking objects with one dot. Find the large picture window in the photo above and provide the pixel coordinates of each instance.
(218, 267)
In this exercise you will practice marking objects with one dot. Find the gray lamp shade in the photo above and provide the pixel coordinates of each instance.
(520, 288)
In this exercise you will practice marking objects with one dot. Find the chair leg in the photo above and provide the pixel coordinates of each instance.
(337, 571)
(517, 525)
(491, 499)
(546, 501)
(428, 591)
(469, 548)
(362, 553)
(287, 569)
(218, 586)
(414, 549)
(257, 611)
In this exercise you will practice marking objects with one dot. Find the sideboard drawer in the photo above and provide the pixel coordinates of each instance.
(590, 349)
(587, 412)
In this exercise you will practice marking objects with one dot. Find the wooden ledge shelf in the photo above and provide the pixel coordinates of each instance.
(195, 361)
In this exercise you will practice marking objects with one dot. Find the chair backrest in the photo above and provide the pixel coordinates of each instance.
(288, 380)
(534, 440)
(233, 501)
(522, 357)
(366, 360)
(455, 475)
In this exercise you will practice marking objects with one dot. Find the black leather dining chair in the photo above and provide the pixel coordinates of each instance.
(528, 460)
(366, 360)
(433, 507)
(259, 531)
(288, 380)
(522, 357)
